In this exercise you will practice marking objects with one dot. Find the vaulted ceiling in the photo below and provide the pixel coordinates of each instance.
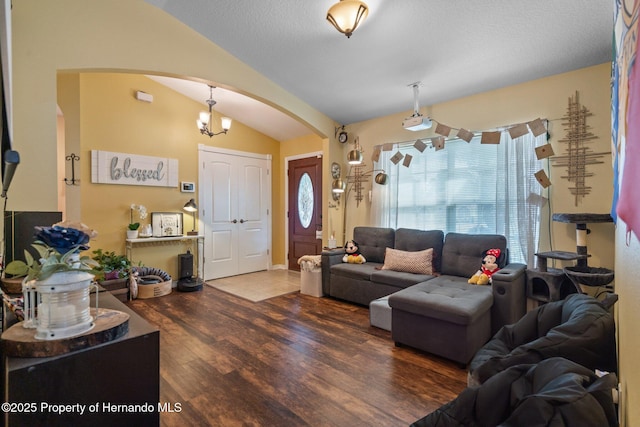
(454, 48)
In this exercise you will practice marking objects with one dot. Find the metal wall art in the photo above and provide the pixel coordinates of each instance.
(578, 156)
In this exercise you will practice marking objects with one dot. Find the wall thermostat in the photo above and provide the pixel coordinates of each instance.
(188, 187)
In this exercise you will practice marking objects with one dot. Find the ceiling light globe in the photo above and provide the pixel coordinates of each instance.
(381, 178)
(338, 186)
(346, 15)
(354, 157)
(204, 117)
(226, 123)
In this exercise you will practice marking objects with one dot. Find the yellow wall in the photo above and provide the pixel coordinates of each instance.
(111, 119)
(75, 35)
(609, 245)
(544, 98)
(104, 113)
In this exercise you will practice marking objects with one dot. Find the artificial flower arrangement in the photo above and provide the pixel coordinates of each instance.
(58, 249)
(142, 213)
(112, 266)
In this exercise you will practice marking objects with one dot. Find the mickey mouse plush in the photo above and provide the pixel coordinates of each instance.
(489, 266)
(352, 255)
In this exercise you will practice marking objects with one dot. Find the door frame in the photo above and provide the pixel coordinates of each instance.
(285, 184)
(201, 178)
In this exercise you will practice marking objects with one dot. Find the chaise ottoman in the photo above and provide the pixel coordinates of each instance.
(380, 313)
(446, 318)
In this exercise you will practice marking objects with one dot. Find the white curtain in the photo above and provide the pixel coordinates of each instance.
(466, 187)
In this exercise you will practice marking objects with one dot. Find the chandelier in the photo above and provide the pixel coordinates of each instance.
(205, 122)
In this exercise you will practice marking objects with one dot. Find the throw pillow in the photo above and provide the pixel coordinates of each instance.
(419, 262)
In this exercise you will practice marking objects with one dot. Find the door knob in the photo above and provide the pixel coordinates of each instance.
(235, 221)
(242, 221)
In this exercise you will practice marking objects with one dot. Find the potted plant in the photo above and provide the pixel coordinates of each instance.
(132, 232)
(113, 273)
(111, 266)
(133, 229)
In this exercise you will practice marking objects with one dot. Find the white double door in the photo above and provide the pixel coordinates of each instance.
(235, 198)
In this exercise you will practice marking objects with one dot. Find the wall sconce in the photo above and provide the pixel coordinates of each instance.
(191, 207)
(206, 119)
(346, 15)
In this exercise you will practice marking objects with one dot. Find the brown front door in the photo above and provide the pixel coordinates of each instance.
(305, 209)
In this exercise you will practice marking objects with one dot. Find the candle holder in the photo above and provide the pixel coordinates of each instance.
(59, 306)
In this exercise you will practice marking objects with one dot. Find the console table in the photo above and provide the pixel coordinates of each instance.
(131, 244)
(124, 371)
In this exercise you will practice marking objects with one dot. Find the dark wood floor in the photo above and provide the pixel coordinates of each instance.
(293, 360)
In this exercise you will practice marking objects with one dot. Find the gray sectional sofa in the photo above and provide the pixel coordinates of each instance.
(440, 313)
(363, 283)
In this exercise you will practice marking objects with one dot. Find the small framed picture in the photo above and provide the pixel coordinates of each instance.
(188, 187)
(166, 224)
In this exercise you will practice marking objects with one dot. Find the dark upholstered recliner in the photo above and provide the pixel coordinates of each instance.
(578, 328)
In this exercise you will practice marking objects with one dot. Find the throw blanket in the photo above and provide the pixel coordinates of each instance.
(309, 262)
(577, 328)
(555, 392)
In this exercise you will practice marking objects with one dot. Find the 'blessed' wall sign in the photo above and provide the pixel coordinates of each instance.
(132, 169)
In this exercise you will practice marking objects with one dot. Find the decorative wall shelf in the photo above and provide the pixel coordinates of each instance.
(160, 241)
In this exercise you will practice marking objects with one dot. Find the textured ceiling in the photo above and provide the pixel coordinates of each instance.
(454, 48)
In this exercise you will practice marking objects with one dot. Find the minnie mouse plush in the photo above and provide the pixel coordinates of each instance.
(353, 255)
(489, 266)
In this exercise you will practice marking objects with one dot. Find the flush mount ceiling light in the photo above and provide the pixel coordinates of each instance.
(417, 121)
(346, 15)
(205, 123)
